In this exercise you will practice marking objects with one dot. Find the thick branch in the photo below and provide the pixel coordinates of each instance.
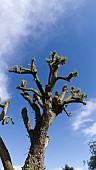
(27, 123)
(30, 100)
(38, 83)
(51, 85)
(38, 99)
(5, 156)
(58, 98)
(48, 113)
(54, 64)
(36, 78)
(53, 54)
(64, 91)
(33, 105)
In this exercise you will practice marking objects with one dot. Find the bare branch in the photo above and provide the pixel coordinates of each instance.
(3, 113)
(54, 64)
(23, 88)
(68, 114)
(59, 104)
(20, 70)
(58, 98)
(53, 54)
(64, 91)
(36, 78)
(69, 77)
(38, 83)
(75, 96)
(38, 99)
(33, 105)
(30, 100)
(5, 156)
(32, 70)
(62, 78)
(27, 123)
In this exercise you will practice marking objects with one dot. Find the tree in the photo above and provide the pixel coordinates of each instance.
(92, 161)
(68, 168)
(45, 105)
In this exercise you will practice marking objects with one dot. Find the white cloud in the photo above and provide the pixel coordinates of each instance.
(13, 25)
(13, 21)
(17, 167)
(91, 130)
(21, 18)
(85, 120)
(4, 95)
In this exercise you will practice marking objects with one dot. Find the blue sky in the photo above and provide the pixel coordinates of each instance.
(35, 28)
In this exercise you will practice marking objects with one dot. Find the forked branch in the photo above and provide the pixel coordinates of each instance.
(34, 106)
(54, 65)
(60, 101)
(23, 88)
(75, 96)
(32, 70)
(3, 116)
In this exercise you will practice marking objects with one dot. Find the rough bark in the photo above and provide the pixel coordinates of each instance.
(5, 156)
(35, 159)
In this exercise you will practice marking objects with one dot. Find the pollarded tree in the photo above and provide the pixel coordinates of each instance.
(45, 105)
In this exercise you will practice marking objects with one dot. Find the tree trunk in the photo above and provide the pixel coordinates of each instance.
(35, 158)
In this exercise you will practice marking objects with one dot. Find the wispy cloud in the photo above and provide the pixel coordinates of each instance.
(91, 130)
(25, 17)
(22, 18)
(17, 167)
(13, 21)
(85, 121)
